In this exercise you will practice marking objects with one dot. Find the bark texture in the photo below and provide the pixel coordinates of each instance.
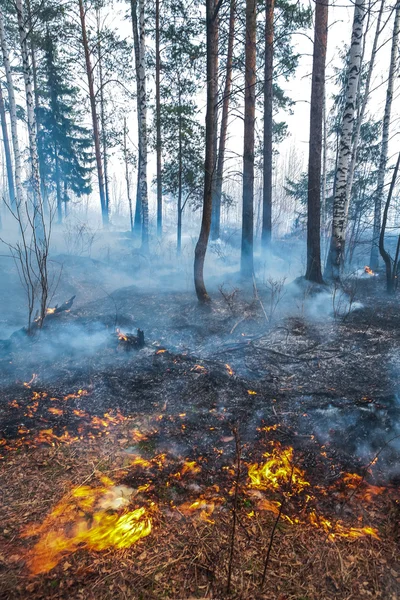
(95, 122)
(13, 112)
(7, 150)
(266, 233)
(158, 123)
(339, 221)
(216, 214)
(201, 246)
(248, 144)
(314, 272)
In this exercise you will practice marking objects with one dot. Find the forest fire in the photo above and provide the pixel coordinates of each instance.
(95, 518)
(369, 271)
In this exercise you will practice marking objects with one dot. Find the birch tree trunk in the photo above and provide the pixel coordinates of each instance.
(30, 110)
(339, 221)
(246, 265)
(127, 178)
(363, 106)
(140, 66)
(314, 272)
(13, 113)
(102, 113)
(212, 61)
(95, 123)
(158, 123)
(7, 151)
(266, 232)
(374, 260)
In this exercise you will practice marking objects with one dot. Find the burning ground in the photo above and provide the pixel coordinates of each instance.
(237, 442)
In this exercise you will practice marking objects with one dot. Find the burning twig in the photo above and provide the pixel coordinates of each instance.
(235, 507)
(271, 539)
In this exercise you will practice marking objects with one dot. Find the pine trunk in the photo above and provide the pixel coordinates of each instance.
(202, 243)
(314, 272)
(13, 113)
(266, 233)
(140, 64)
(374, 261)
(7, 151)
(248, 143)
(339, 221)
(158, 123)
(216, 212)
(95, 123)
(30, 110)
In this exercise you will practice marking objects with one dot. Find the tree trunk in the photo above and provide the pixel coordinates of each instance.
(361, 114)
(95, 123)
(102, 114)
(127, 179)
(248, 143)
(339, 221)
(158, 123)
(390, 275)
(7, 151)
(267, 151)
(140, 60)
(374, 262)
(13, 113)
(180, 167)
(201, 246)
(314, 272)
(58, 186)
(216, 212)
(30, 110)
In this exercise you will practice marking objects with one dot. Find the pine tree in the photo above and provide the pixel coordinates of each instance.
(64, 145)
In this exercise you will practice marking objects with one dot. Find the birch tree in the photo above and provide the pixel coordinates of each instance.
(248, 143)
(385, 140)
(315, 151)
(7, 150)
(30, 110)
(339, 221)
(13, 111)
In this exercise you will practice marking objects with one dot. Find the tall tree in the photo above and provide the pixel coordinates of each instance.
(314, 272)
(95, 122)
(339, 221)
(268, 124)
(158, 122)
(211, 75)
(7, 150)
(138, 25)
(13, 111)
(385, 139)
(64, 145)
(216, 212)
(248, 142)
(30, 109)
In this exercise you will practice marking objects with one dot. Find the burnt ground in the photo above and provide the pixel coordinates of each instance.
(276, 369)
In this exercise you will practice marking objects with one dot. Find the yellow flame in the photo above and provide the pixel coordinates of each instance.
(90, 518)
(278, 470)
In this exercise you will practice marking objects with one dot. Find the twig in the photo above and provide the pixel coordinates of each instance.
(235, 506)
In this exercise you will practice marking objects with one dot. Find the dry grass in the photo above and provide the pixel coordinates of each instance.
(184, 557)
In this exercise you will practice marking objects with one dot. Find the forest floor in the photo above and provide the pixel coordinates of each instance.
(173, 437)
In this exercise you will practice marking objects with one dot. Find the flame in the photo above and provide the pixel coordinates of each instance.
(229, 369)
(278, 470)
(366, 491)
(50, 311)
(339, 530)
(160, 351)
(93, 518)
(78, 394)
(199, 369)
(252, 393)
(55, 411)
(368, 271)
(121, 336)
(28, 384)
(202, 507)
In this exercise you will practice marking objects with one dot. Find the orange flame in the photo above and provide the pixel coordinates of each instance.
(93, 518)
(278, 470)
(230, 370)
(368, 270)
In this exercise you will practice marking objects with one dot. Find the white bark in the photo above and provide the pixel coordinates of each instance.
(385, 140)
(339, 222)
(30, 109)
(142, 106)
(13, 112)
(361, 114)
